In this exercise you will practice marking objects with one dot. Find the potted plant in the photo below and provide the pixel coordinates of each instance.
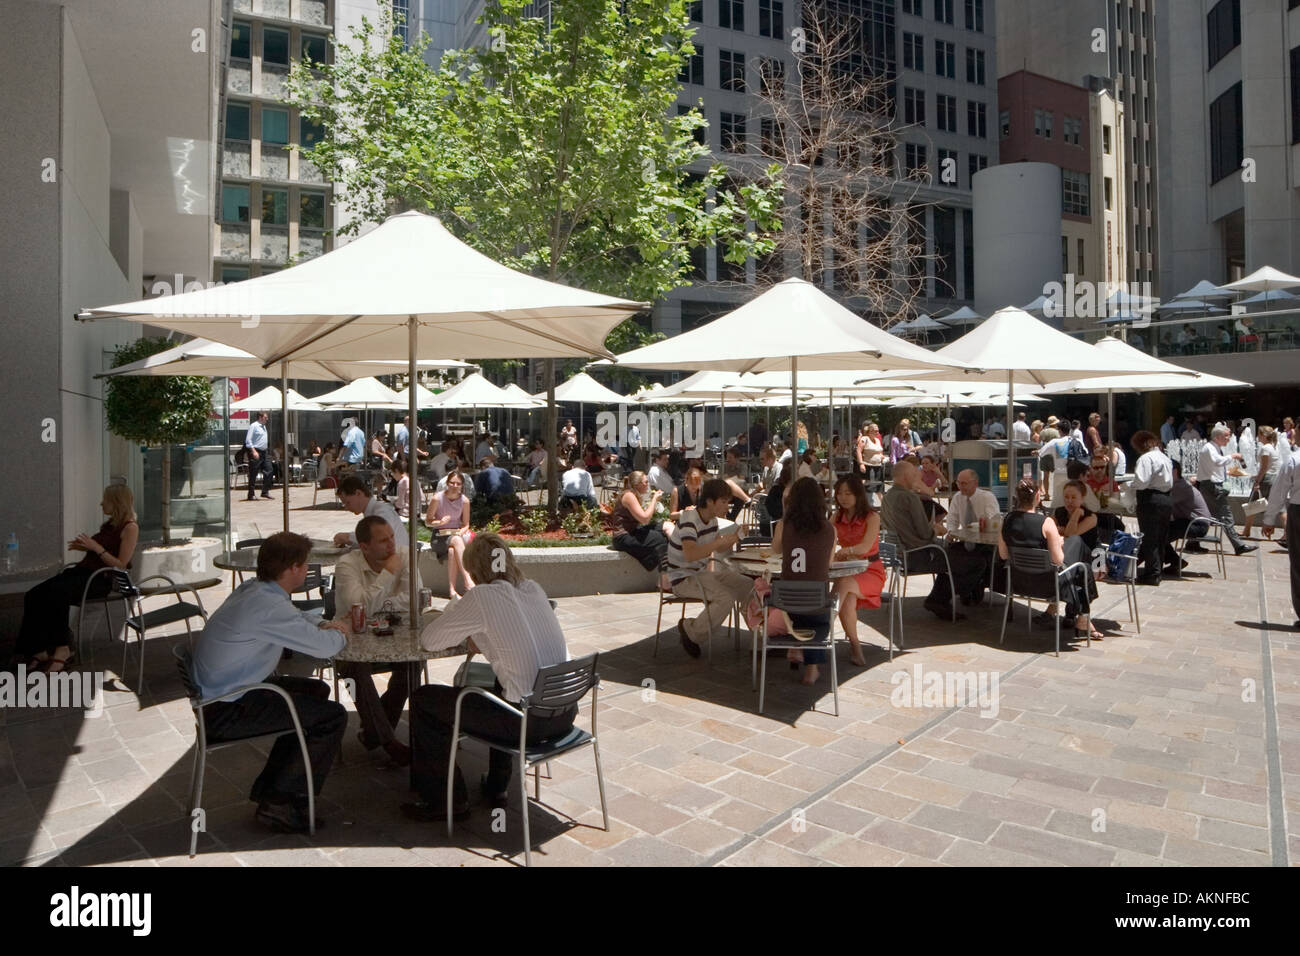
(161, 410)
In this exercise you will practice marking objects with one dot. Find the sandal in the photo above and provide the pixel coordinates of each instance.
(61, 662)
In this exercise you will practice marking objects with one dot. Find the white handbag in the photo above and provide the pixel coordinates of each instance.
(1256, 505)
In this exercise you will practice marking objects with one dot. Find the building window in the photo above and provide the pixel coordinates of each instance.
(948, 172)
(945, 59)
(241, 40)
(315, 48)
(913, 106)
(1108, 185)
(943, 11)
(945, 108)
(945, 250)
(1105, 140)
(968, 252)
(237, 121)
(914, 7)
(731, 14)
(311, 209)
(696, 8)
(234, 273)
(771, 19)
(1074, 189)
(1065, 255)
(731, 70)
(913, 52)
(1004, 124)
(975, 66)
(975, 15)
(771, 76)
(275, 207)
(275, 46)
(1071, 129)
(1133, 63)
(1078, 247)
(693, 68)
(1225, 134)
(698, 133)
(309, 133)
(1223, 29)
(769, 137)
(976, 119)
(275, 126)
(1295, 93)
(914, 159)
(732, 130)
(402, 20)
(1043, 123)
(974, 163)
(234, 203)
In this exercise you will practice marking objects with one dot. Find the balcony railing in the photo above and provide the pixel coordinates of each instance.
(1260, 331)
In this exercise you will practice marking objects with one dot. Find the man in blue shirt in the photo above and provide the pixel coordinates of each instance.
(493, 482)
(241, 645)
(402, 436)
(354, 445)
(258, 460)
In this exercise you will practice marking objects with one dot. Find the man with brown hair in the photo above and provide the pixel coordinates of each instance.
(241, 645)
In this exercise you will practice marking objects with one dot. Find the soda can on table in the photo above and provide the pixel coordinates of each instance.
(358, 619)
(426, 598)
(984, 524)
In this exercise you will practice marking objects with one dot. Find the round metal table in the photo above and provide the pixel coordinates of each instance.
(323, 553)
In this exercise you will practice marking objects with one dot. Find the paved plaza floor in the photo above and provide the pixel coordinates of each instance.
(1179, 745)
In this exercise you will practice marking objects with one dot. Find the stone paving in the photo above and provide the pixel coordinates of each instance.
(1164, 748)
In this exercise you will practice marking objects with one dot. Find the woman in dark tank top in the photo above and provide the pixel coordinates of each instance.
(806, 540)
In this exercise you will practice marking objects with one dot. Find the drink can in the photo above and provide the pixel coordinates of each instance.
(358, 619)
(984, 524)
(426, 598)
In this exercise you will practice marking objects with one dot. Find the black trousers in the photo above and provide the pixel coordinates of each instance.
(263, 712)
(379, 714)
(1153, 511)
(647, 544)
(433, 710)
(970, 571)
(45, 610)
(263, 467)
(1217, 499)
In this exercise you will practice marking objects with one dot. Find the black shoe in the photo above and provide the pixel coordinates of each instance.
(1247, 548)
(1196, 549)
(497, 800)
(267, 498)
(688, 645)
(286, 818)
(943, 610)
(1148, 579)
(431, 813)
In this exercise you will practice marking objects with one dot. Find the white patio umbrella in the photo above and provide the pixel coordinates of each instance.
(270, 398)
(1121, 300)
(1262, 280)
(475, 392)
(424, 398)
(1266, 298)
(366, 392)
(1012, 346)
(406, 288)
(793, 327)
(583, 389)
(901, 328)
(1039, 305)
(1205, 289)
(963, 316)
(1189, 305)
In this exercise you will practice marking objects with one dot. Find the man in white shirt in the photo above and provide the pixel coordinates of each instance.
(356, 497)
(1020, 428)
(509, 620)
(636, 454)
(1285, 497)
(376, 576)
(971, 503)
(354, 445)
(576, 486)
(1212, 478)
(444, 461)
(241, 645)
(659, 475)
(259, 462)
(692, 544)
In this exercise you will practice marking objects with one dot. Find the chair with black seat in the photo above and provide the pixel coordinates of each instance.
(315, 581)
(807, 599)
(901, 566)
(121, 591)
(1041, 580)
(1128, 577)
(141, 620)
(1213, 534)
(202, 746)
(237, 577)
(556, 689)
(668, 596)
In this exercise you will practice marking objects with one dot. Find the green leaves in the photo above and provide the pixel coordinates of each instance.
(156, 410)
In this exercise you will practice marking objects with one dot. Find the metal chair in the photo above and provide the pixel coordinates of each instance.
(1128, 578)
(897, 566)
(121, 590)
(185, 664)
(329, 481)
(1213, 535)
(668, 596)
(807, 598)
(556, 689)
(239, 546)
(1036, 561)
(142, 620)
(315, 581)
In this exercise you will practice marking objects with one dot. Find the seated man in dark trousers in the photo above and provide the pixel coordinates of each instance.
(377, 577)
(241, 645)
(510, 621)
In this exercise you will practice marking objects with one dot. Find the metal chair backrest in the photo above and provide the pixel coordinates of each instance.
(888, 553)
(560, 686)
(249, 543)
(800, 597)
(1031, 560)
(314, 580)
(185, 664)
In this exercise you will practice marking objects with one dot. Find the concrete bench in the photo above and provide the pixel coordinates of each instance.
(562, 572)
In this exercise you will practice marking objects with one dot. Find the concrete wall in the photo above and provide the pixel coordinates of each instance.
(1017, 233)
(30, 45)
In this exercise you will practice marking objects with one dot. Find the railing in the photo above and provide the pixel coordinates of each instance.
(1263, 331)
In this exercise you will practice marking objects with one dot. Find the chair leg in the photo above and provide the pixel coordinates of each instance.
(196, 793)
(523, 793)
(659, 621)
(537, 782)
(451, 777)
(835, 672)
(762, 673)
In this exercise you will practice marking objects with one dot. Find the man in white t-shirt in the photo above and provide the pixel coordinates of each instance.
(1020, 428)
(659, 476)
(693, 543)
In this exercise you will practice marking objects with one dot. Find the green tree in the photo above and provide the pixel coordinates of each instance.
(161, 410)
(555, 149)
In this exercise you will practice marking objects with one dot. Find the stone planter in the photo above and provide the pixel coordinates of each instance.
(562, 572)
(190, 561)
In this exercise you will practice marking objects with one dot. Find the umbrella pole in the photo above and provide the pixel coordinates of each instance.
(794, 411)
(830, 423)
(1110, 431)
(413, 484)
(284, 437)
(1012, 481)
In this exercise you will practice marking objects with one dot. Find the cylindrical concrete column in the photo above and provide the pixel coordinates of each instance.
(1017, 234)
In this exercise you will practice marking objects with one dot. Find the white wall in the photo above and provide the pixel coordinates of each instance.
(1017, 233)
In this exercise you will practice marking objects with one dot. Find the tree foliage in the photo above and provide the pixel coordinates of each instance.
(156, 409)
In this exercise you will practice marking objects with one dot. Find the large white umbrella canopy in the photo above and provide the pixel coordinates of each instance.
(475, 391)
(963, 316)
(1040, 304)
(1263, 280)
(1263, 298)
(1205, 289)
(924, 323)
(1188, 305)
(363, 393)
(520, 395)
(583, 388)
(960, 401)
(1155, 381)
(1121, 300)
(424, 398)
(270, 399)
(354, 303)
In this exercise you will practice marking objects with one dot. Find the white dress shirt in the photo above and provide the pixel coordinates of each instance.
(256, 437)
(659, 478)
(1286, 490)
(1154, 472)
(576, 483)
(1213, 464)
(385, 511)
(1020, 431)
(514, 627)
(964, 511)
(356, 583)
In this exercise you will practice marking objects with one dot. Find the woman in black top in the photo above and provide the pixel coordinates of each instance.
(805, 528)
(1025, 527)
(775, 502)
(1075, 520)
